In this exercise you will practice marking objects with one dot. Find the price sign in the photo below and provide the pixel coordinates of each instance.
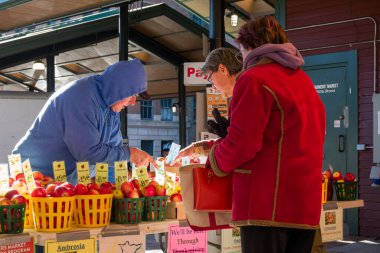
(4, 178)
(142, 176)
(121, 173)
(83, 171)
(160, 173)
(15, 164)
(27, 168)
(101, 173)
(170, 183)
(59, 170)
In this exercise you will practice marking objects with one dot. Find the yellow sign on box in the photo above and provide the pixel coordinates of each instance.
(121, 173)
(79, 246)
(83, 171)
(101, 173)
(142, 176)
(59, 169)
(14, 164)
(28, 173)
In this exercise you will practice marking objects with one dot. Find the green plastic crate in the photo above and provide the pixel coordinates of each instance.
(12, 219)
(128, 211)
(155, 208)
(346, 190)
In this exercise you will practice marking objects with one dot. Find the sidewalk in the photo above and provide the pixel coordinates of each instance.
(355, 245)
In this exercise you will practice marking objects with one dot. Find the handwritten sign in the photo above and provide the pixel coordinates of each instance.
(14, 164)
(160, 173)
(79, 246)
(25, 247)
(173, 152)
(27, 168)
(142, 176)
(59, 170)
(83, 171)
(4, 178)
(101, 173)
(121, 173)
(184, 239)
(122, 244)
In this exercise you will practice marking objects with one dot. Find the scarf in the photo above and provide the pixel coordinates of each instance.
(284, 54)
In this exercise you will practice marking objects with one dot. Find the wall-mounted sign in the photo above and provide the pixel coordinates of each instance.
(193, 74)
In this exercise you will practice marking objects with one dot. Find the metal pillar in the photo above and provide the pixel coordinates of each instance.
(182, 107)
(50, 73)
(216, 32)
(123, 56)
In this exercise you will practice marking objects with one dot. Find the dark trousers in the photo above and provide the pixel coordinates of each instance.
(256, 239)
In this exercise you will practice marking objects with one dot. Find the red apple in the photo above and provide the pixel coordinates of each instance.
(92, 186)
(38, 175)
(11, 193)
(328, 174)
(20, 187)
(47, 179)
(92, 192)
(149, 191)
(134, 194)
(106, 185)
(20, 175)
(18, 200)
(154, 183)
(5, 202)
(176, 197)
(160, 190)
(136, 183)
(38, 192)
(61, 191)
(80, 189)
(126, 187)
(67, 185)
(105, 190)
(50, 189)
(337, 175)
(350, 177)
(11, 180)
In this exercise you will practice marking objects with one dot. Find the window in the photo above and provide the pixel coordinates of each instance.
(146, 111)
(166, 110)
(147, 146)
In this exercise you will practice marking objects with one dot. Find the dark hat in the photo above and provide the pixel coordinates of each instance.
(144, 95)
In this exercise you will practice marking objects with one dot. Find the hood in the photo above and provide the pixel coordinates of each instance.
(121, 80)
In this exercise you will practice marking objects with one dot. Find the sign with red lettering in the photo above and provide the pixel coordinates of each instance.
(184, 239)
(23, 247)
(193, 74)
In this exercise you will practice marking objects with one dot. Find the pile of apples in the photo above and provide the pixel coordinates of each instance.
(18, 183)
(12, 197)
(132, 189)
(94, 189)
(337, 176)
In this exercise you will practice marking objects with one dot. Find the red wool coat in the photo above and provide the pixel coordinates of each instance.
(274, 148)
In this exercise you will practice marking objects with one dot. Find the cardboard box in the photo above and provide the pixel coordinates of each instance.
(175, 210)
(332, 224)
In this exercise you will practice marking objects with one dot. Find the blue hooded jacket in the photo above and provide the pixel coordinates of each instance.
(77, 123)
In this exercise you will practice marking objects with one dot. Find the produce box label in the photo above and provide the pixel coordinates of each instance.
(121, 173)
(142, 176)
(15, 164)
(59, 169)
(27, 168)
(83, 170)
(79, 246)
(4, 178)
(184, 239)
(21, 247)
(101, 173)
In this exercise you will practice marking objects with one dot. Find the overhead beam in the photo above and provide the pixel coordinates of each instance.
(31, 87)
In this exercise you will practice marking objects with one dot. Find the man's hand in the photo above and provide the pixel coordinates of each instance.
(141, 158)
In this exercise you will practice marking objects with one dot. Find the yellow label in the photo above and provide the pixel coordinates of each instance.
(169, 183)
(142, 176)
(59, 169)
(14, 164)
(79, 246)
(4, 179)
(28, 173)
(101, 173)
(83, 170)
(121, 173)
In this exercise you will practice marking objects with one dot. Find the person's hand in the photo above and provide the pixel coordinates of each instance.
(188, 151)
(141, 158)
(219, 126)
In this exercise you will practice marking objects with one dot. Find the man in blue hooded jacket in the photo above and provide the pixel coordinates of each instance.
(81, 122)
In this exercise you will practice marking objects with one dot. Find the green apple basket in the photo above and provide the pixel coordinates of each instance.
(12, 219)
(345, 190)
(155, 208)
(128, 210)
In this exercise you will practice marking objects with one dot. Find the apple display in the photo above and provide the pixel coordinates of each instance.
(38, 192)
(176, 197)
(126, 187)
(80, 189)
(61, 191)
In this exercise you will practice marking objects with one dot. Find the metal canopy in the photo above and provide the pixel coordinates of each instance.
(159, 36)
